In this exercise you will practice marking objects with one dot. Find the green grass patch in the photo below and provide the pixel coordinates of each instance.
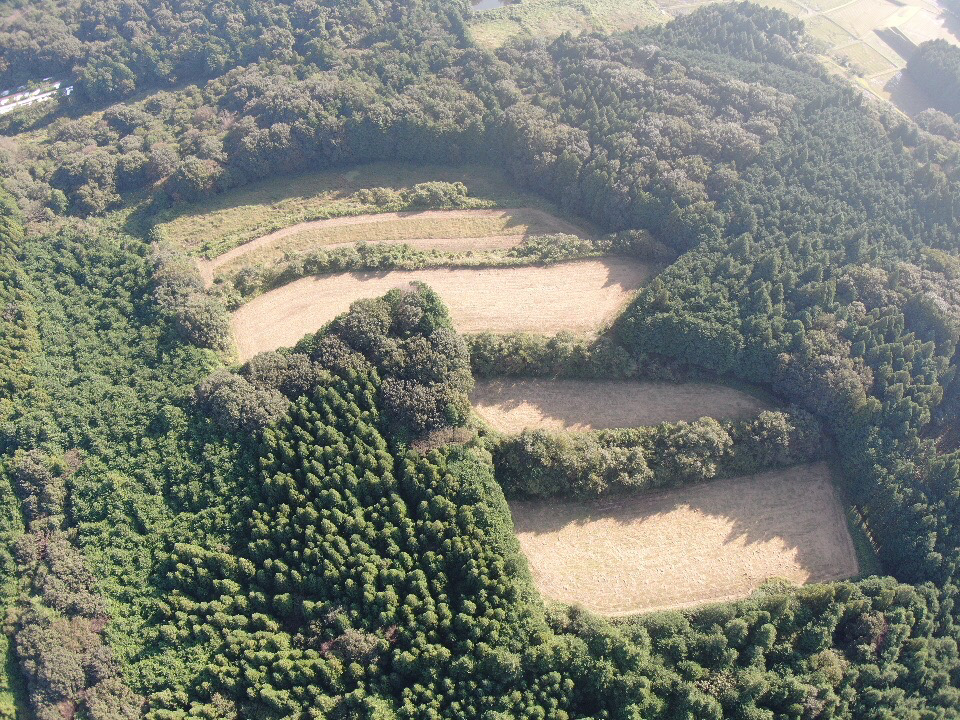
(863, 60)
(862, 543)
(550, 18)
(13, 691)
(827, 33)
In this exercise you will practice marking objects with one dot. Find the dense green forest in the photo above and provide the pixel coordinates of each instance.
(321, 533)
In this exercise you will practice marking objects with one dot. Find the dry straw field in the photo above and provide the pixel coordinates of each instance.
(579, 297)
(447, 230)
(710, 542)
(513, 405)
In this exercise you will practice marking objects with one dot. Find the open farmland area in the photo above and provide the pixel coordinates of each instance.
(579, 297)
(450, 231)
(870, 41)
(709, 542)
(218, 224)
(510, 406)
(491, 28)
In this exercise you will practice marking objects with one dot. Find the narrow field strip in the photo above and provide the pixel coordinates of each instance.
(430, 229)
(513, 405)
(711, 542)
(579, 297)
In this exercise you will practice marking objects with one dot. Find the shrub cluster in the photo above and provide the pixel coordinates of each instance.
(436, 195)
(536, 463)
(566, 355)
(199, 318)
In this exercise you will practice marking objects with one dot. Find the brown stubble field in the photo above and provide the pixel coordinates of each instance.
(510, 406)
(710, 542)
(579, 297)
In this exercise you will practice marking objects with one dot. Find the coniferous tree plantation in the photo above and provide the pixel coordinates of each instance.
(323, 532)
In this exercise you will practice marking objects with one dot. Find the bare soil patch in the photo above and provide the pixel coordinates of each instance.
(712, 542)
(580, 297)
(513, 405)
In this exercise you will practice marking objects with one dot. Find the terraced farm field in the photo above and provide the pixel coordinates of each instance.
(213, 226)
(580, 297)
(447, 230)
(513, 405)
(709, 542)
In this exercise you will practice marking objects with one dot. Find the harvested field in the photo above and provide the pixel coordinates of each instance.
(579, 297)
(448, 230)
(712, 542)
(513, 405)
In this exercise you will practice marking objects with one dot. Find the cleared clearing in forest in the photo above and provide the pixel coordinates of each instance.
(447, 230)
(579, 297)
(513, 405)
(710, 542)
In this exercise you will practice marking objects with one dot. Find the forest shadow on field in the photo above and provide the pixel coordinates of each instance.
(796, 508)
(906, 95)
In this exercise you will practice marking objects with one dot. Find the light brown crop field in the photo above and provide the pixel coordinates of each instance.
(513, 405)
(446, 230)
(711, 542)
(579, 297)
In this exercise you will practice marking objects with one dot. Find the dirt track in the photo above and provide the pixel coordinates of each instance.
(709, 542)
(578, 296)
(514, 405)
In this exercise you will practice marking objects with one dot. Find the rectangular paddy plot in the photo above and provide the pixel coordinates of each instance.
(579, 297)
(711, 542)
(513, 405)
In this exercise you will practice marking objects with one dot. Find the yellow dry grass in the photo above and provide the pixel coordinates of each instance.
(448, 230)
(510, 406)
(213, 226)
(580, 297)
(711, 542)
